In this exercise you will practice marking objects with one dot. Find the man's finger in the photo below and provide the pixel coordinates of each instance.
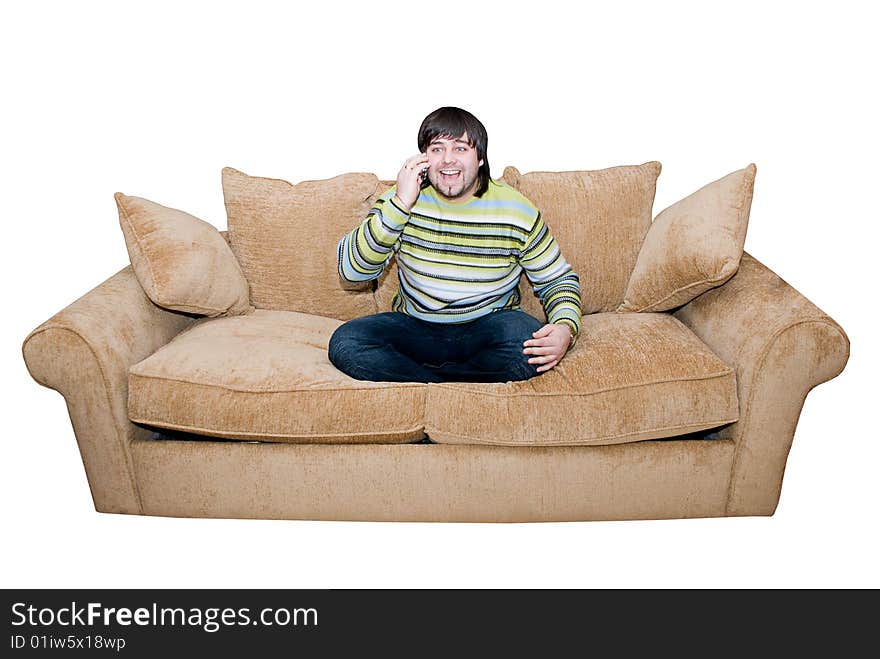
(544, 331)
(546, 341)
(540, 350)
(410, 163)
(547, 367)
(544, 359)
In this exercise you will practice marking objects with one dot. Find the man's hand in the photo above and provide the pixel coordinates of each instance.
(408, 180)
(550, 343)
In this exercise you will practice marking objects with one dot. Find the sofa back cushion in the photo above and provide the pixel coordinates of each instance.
(599, 218)
(285, 238)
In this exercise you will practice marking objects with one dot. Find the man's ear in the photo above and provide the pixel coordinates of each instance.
(482, 162)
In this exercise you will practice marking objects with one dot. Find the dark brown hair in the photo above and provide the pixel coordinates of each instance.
(452, 123)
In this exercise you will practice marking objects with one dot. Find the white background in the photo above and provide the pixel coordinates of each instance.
(154, 99)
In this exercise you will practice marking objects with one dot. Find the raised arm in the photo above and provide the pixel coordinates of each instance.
(781, 346)
(364, 252)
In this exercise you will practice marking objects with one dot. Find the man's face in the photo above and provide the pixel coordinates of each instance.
(453, 167)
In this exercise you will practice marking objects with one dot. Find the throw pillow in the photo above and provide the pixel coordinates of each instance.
(692, 246)
(182, 263)
(285, 237)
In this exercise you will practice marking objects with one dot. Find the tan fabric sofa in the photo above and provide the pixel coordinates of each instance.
(685, 412)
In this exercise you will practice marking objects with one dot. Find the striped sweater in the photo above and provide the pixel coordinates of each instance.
(458, 262)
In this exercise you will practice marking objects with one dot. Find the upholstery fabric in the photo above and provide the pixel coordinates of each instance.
(433, 482)
(182, 262)
(600, 219)
(630, 377)
(781, 345)
(285, 239)
(692, 246)
(267, 376)
(84, 352)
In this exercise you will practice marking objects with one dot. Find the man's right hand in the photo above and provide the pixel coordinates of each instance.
(409, 180)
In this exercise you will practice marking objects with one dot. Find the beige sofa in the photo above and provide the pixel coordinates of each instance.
(198, 384)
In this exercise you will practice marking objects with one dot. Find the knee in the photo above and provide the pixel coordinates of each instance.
(517, 328)
(513, 364)
(528, 324)
(353, 339)
(520, 369)
(522, 330)
(343, 343)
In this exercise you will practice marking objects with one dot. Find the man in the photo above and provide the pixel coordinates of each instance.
(461, 241)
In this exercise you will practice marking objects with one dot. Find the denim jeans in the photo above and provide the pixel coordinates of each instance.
(394, 347)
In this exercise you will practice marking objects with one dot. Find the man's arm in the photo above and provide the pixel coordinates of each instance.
(364, 252)
(552, 278)
(558, 287)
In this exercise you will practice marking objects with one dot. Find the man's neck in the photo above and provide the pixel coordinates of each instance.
(454, 201)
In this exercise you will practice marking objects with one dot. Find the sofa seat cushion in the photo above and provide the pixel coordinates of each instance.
(630, 377)
(266, 376)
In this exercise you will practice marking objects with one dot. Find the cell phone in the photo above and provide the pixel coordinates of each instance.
(423, 178)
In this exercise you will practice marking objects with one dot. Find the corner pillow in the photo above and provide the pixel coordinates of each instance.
(182, 263)
(285, 237)
(692, 246)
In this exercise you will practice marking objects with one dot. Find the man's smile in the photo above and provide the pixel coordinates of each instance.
(454, 166)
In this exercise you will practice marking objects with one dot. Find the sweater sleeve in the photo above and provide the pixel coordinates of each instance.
(552, 278)
(363, 253)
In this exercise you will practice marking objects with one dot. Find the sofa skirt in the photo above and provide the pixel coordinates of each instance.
(426, 482)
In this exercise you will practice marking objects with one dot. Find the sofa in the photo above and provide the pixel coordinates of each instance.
(198, 384)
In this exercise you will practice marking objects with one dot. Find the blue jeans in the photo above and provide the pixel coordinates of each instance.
(394, 347)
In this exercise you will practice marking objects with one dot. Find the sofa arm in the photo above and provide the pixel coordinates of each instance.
(781, 346)
(84, 352)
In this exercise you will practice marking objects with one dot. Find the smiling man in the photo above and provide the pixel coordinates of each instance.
(461, 240)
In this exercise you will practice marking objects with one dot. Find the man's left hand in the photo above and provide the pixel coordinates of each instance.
(550, 344)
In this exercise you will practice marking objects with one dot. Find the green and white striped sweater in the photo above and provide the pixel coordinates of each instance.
(460, 261)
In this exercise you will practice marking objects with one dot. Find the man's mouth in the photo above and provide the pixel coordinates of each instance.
(449, 175)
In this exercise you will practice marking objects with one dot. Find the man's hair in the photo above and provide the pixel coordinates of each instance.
(452, 123)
